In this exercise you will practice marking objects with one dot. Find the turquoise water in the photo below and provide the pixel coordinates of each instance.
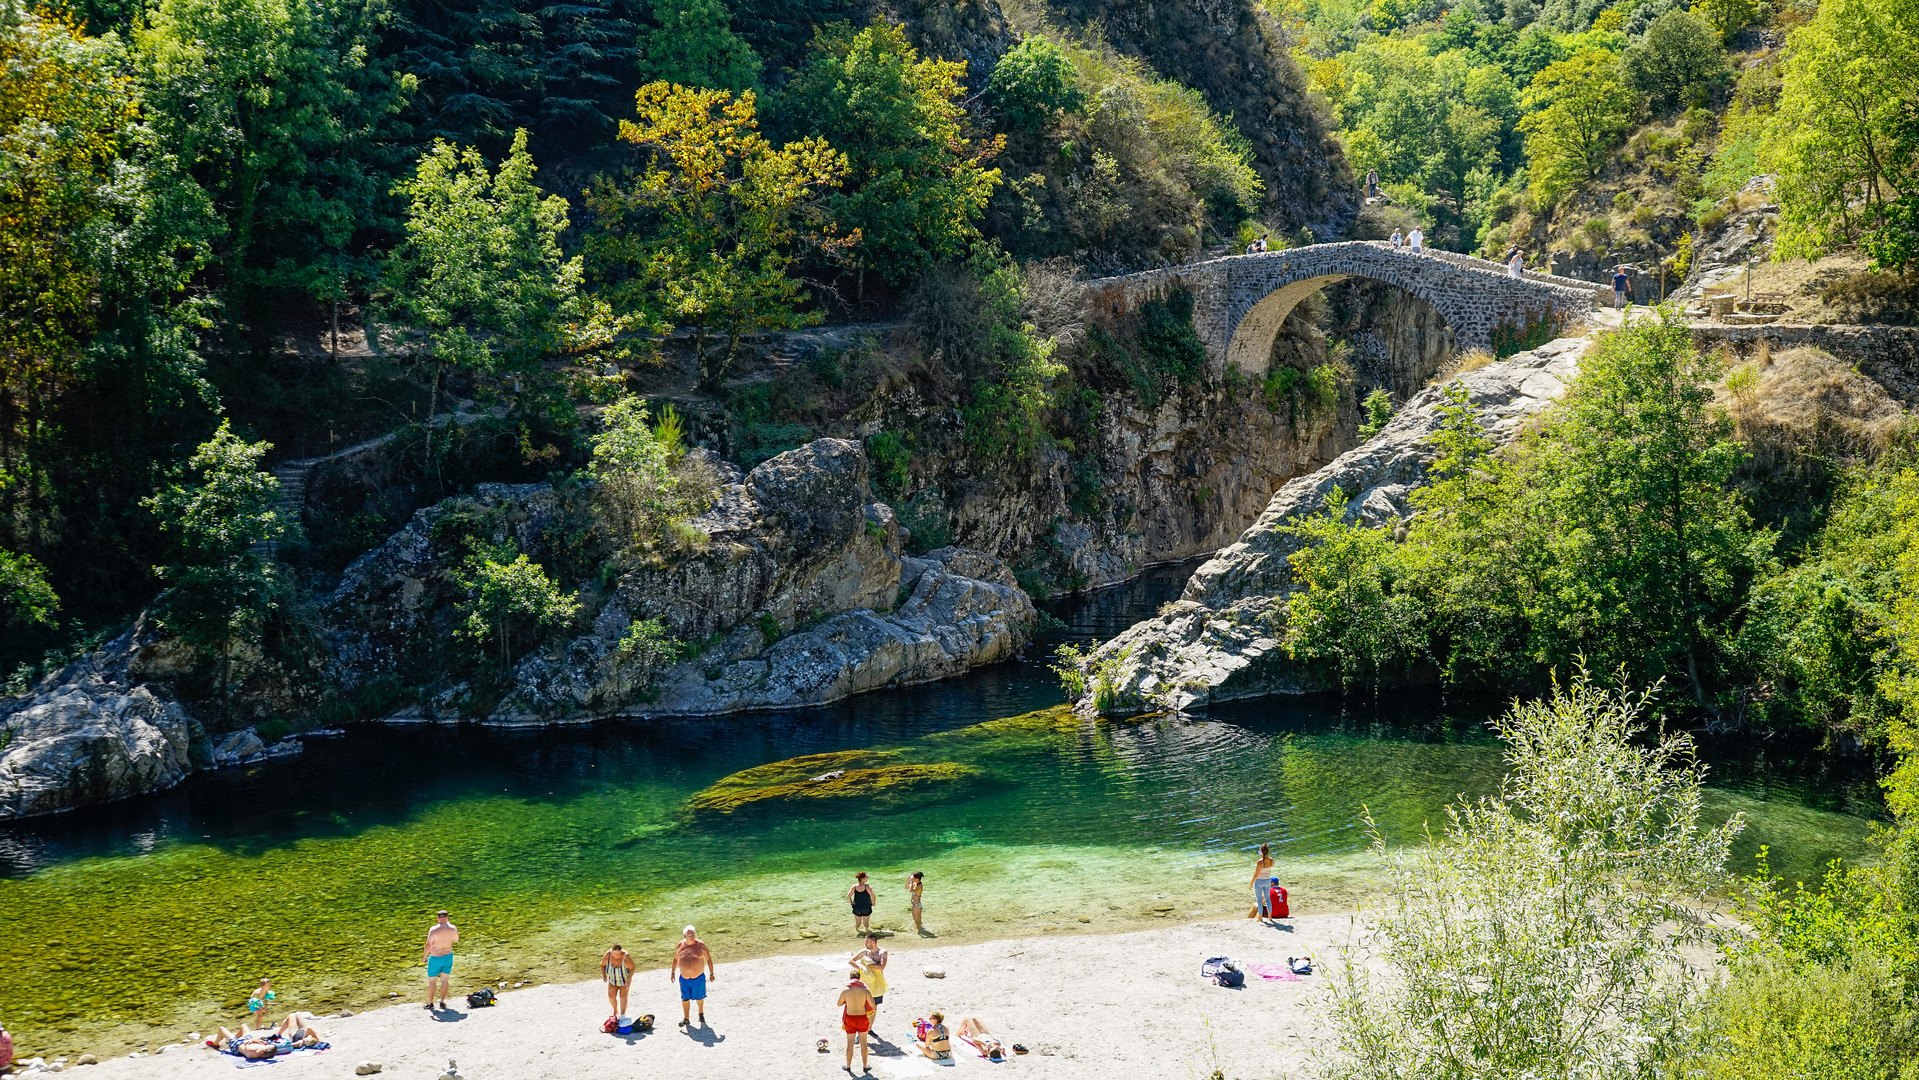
(154, 917)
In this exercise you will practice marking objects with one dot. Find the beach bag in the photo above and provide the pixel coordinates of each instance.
(1301, 965)
(1277, 902)
(611, 1026)
(481, 998)
(623, 1025)
(1230, 976)
(645, 1022)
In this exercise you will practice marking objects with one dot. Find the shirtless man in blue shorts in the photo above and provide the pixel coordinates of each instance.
(692, 966)
(438, 955)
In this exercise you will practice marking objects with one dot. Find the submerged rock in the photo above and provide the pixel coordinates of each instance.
(865, 776)
(1221, 640)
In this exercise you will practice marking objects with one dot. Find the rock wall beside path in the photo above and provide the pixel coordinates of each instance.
(1221, 640)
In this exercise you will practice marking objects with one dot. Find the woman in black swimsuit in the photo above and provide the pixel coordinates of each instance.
(861, 896)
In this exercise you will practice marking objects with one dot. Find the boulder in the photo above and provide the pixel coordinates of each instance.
(87, 736)
(1221, 639)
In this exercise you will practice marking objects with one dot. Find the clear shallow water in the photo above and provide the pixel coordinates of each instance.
(147, 919)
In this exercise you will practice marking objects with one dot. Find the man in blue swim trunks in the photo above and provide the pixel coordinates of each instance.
(692, 965)
(438, 955)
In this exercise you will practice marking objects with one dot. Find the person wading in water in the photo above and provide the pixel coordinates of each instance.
(861, 896)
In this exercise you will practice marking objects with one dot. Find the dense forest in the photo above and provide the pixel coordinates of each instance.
(201, 196)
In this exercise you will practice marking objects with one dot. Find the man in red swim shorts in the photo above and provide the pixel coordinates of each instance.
(856, 1016)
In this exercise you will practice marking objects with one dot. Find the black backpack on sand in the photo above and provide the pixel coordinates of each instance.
(481, 998)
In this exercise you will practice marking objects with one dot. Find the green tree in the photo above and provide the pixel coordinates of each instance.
(282, 112)
(508, 591)
(66, 110)
(1844, 142)
(223, 585)
(1545, 931)
(1727, 17)
(1033, 82)
(1611, 533)
(1581, 111)
(693, 44)
(25, 597)
(481, 268)
(705, 237)
(915, 184)
(1675, 60)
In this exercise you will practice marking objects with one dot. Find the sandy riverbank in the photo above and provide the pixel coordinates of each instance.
(1130, 1005)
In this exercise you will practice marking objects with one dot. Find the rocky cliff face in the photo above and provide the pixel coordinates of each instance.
(1141, 485)
(799, 594)
(1220, 641)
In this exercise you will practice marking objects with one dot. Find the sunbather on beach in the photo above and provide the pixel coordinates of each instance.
(616, 967)
(856, 1019)
(934, 1042)
(294, 1033)
(975, 1035)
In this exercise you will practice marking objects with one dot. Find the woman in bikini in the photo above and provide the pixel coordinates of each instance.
(861, 896)
(915, 889)
(934, 1042)
(616, 967)
(975, 1035)
(1262, 884)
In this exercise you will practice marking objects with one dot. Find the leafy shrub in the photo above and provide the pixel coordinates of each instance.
(1033, 82)
(925, 523)
(508, 591)
(648, 645)
(1508, 340)
(637, 463)
(890, 457)
(1378, 407)
(1167, 340)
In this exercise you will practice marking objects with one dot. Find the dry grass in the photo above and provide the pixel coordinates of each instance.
(1802, 403)
(1473, 360)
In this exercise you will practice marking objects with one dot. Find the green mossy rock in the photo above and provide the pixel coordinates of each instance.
(863, 776)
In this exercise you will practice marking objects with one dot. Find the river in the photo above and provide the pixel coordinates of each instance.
(146, 919)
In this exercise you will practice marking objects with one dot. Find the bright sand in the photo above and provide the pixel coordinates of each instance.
(1119, 1005)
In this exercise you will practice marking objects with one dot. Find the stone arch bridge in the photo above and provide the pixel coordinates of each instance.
(1241, 301)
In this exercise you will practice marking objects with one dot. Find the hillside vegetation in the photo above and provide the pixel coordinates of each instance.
(324, 220)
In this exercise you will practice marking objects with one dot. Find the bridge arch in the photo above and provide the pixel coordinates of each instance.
(1241, 302)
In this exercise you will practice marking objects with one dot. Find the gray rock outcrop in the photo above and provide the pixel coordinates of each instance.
(90, 735)
(1220, 640)
(796, 594)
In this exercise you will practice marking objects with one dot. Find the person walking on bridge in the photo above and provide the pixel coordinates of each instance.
(1416, 240)
(1515, 262)
(1398, 240)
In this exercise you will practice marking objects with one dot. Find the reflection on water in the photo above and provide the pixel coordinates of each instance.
(322, 871)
